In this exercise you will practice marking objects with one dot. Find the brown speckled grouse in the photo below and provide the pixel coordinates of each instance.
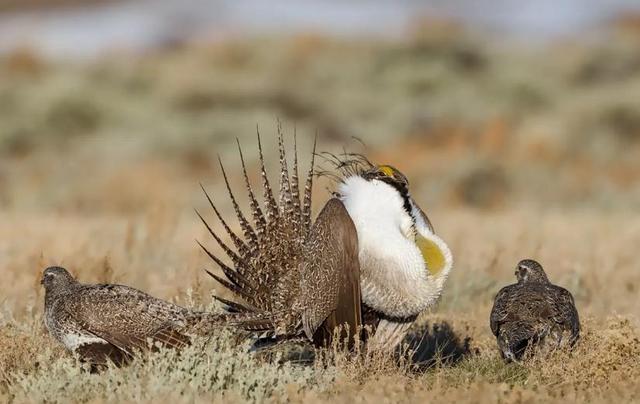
(112, 322)
(533, 313)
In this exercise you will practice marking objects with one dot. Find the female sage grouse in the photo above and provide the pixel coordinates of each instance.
(370, 257)
(112, 322)
(533, 312)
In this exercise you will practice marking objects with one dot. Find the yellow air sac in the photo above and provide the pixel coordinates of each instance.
(432, 254)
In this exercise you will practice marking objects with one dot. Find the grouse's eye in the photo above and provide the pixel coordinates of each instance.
(47, 277)
(524, 270)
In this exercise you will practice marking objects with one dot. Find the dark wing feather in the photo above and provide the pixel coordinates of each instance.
(98, 355)
(566, 313)
(501, 307)
(330, 273)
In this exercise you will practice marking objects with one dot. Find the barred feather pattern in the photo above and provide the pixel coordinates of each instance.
(258, 217)
(270, 203)
(306, 204)
(266, 264)
(295, 187)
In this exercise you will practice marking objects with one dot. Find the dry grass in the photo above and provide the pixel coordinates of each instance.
(100, 169)
(456, 358)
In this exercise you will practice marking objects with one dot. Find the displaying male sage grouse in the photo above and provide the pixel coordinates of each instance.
(370, 257)
(533, 313)
(112, 322)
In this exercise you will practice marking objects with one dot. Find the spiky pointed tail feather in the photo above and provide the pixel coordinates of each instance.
(265, 272)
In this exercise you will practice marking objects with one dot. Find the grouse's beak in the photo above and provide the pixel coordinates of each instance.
(42, 280)
(510, 357)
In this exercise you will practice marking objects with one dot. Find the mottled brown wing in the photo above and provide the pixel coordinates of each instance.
(130, 320)
(330, 274)
(501, 308)
(566, 313)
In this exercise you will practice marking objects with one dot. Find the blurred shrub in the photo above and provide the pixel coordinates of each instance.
(71, 115)
(624, 122)
(484, 185)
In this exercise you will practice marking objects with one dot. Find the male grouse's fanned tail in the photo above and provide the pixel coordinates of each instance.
(265, 275)
(291, 277)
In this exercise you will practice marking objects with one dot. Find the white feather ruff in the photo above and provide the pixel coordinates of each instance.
(394, 277)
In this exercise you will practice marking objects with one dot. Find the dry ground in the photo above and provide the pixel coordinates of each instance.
(99, 172)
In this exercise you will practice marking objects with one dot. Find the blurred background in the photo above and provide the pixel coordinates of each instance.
(112, 112)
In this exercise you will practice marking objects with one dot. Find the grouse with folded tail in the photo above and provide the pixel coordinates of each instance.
(111, 323)
(533, 313)
(370, 257)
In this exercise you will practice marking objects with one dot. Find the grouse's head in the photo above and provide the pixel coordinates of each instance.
(388, 174)
(530, 271)
(56, 277)
(393, 177)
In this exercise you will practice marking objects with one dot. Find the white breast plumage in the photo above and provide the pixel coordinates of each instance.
(394, 277)
(73, 340)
